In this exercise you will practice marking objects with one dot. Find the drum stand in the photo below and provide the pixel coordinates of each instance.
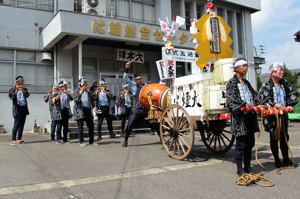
(154, 114)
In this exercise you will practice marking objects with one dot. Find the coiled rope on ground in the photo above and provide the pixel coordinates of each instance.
(254, 178)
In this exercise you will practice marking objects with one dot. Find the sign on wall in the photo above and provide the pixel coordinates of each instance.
(136, 32)
(182, 55)
(128, 55)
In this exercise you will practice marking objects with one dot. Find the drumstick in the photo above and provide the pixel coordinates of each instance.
(133, 60)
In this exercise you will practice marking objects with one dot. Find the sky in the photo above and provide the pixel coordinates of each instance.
(274, 27)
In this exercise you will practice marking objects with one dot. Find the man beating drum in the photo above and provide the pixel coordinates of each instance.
(138, 111)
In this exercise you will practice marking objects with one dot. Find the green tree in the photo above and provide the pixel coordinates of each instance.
(291, 78)
(259, 83)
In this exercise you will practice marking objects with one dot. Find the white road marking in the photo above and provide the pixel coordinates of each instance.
(91, 180)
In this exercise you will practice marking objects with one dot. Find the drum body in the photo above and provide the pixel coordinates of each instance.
(159, 94)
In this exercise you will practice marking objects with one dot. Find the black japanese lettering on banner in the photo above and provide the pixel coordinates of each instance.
(188, 96)
(223, 97)
(182, 53)
(170, 67)
(170, 71)
(175, 52)
(190, 54)
(161, 64)
(122, 54)
(130, 55)
(139, 57)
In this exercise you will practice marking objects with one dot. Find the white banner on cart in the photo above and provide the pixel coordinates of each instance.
(182, 55)
(166, 69)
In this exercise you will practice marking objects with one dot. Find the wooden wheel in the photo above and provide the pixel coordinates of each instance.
(216, 138)
(177, 132)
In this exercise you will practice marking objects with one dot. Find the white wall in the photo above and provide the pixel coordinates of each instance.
(19, 27)
(38, 110)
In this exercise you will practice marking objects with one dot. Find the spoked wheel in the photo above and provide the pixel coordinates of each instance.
(216, 138)
(177, 132)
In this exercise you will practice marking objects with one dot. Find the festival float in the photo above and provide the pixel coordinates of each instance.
(194, 102)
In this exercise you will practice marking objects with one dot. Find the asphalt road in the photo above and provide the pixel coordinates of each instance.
(42, 169)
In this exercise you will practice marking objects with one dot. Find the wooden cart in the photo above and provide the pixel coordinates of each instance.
(181, 110)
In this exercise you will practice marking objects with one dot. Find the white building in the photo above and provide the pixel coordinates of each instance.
(49, 40)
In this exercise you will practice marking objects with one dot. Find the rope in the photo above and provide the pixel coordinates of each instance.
(258, 135)
(252, 178)
(290, 151)
(279, 127)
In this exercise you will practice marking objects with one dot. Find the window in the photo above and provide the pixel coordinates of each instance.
(188, 15)
(110, 8)
(239, 25)
(32, 4)
(26, 56)
(77, 5)
(149, 12)
(38, 75)
(200, 11)
(220, 12)
(89, 64)
(123, 9)
(38, 78)
(28, 72)
(44, 5)
(6, 68)
(141, 10)
(6, 75)
(6, 54)
(137, 14)
(175, 6)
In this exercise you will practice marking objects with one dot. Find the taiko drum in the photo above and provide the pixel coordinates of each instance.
(159, 94)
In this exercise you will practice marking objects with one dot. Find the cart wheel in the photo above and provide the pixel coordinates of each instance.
(177, 132)
(216, 138)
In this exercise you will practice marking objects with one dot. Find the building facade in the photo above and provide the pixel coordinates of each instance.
(49, 40)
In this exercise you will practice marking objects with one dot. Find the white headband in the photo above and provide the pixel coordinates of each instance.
(240, 63)
(19, 79)
(101, 82)
(275, 66)
(82, 81)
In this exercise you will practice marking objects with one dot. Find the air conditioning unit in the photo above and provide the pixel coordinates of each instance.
(45, 56)
(95, 7)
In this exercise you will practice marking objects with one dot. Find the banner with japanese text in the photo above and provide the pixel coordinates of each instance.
(128, 55)
(166, 69)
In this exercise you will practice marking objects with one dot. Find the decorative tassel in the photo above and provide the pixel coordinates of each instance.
(222, 32)
(208, 30)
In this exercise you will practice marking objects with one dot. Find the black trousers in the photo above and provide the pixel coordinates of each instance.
(19, 122)
(243, 147)
(53, 127)
(88, 118)
(104, 114)
(139, 113)
(63, 124)
(283, 144)
(124, 117)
